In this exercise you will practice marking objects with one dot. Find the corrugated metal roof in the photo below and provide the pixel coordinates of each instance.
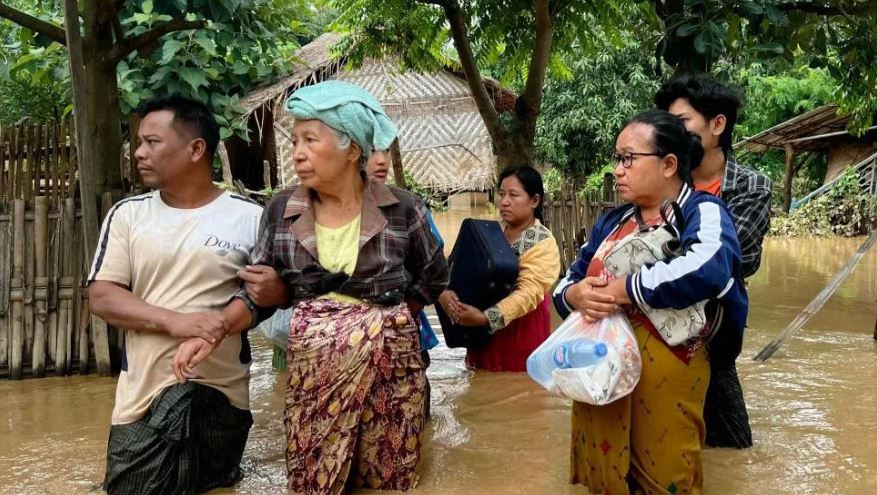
(816, 122)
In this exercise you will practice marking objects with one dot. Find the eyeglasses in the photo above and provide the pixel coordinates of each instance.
(626, 159)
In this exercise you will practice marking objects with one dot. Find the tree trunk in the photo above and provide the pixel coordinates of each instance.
(98, 141)
(790, 174)
(104, 133)
(398, 169)
(269, 147)
(518, 150)
(227, 176)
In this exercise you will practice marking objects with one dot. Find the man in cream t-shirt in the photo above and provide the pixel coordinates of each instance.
(166, 270)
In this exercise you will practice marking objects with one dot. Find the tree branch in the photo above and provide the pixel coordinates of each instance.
(488, 112)
(846, 14)
(45, 28)
(129, 45)
(118, 30)
(531, 100)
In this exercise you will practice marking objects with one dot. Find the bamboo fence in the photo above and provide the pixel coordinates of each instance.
(44, 318)
(570, 215)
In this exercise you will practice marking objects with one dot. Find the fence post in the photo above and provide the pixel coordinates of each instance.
(30, 143)
(54, 247)
(28, 277)
(64, 166)
(133, 128)
(3, 162)
(41, 219)
(65, 288)
(16, 294)
(6, 268)
(608, 188)
(13, 163)
(99, 329)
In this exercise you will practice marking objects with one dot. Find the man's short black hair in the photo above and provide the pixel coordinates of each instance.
(706, 95)
(190, 113)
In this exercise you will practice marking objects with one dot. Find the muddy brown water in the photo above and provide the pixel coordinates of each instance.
(813, 406)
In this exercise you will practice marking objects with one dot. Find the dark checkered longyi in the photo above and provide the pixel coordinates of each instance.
(748, 196)
(191, 441)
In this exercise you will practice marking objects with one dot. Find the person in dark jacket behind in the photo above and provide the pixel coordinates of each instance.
(709, 109)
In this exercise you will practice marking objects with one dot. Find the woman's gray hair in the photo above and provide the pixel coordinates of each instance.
(343, 142)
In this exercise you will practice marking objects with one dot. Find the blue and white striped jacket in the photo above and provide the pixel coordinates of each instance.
(710, 268)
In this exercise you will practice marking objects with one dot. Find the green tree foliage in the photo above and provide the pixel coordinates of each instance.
(838, 35)
(33, 74)
(34, 87)
(773, 96)
(582, 114)
(241, 44)
(522, 40)
(191, 46)
(506, 39)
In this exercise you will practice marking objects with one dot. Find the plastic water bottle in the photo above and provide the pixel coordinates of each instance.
(579, 353)
(572, 354)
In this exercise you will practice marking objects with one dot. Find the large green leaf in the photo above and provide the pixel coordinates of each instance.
(700, 43)
(169, 50)
(207, 43)
(687, 30)
(194, 77)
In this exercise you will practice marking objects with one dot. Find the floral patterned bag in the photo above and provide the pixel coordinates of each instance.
(650, 245)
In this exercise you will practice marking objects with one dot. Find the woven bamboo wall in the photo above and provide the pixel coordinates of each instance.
(444, 143)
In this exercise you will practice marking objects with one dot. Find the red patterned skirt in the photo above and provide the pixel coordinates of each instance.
(510, 347)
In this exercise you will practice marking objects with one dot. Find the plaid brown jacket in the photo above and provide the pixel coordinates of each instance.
(398, 259)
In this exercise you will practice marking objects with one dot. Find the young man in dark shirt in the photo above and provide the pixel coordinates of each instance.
(710, 109)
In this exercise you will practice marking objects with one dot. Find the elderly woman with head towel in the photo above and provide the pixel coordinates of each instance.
(343, 243)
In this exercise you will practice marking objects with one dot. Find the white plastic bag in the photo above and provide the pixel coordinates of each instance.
(611, 378)
(276, 328)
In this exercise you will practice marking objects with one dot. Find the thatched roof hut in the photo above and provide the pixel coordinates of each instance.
(443, 141)
(821, 130)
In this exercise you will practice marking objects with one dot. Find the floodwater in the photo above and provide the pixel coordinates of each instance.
(813, 406)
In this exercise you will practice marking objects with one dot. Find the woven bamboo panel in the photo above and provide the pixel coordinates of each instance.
(444, 142)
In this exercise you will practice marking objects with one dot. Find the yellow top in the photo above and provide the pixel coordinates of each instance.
(338, 250)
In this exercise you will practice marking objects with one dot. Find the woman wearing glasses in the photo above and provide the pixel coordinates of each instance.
(650, 441)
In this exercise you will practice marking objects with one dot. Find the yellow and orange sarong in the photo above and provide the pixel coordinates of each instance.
(650, 441)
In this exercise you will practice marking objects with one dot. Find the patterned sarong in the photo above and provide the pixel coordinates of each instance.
(649, 442)
(354, 398)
